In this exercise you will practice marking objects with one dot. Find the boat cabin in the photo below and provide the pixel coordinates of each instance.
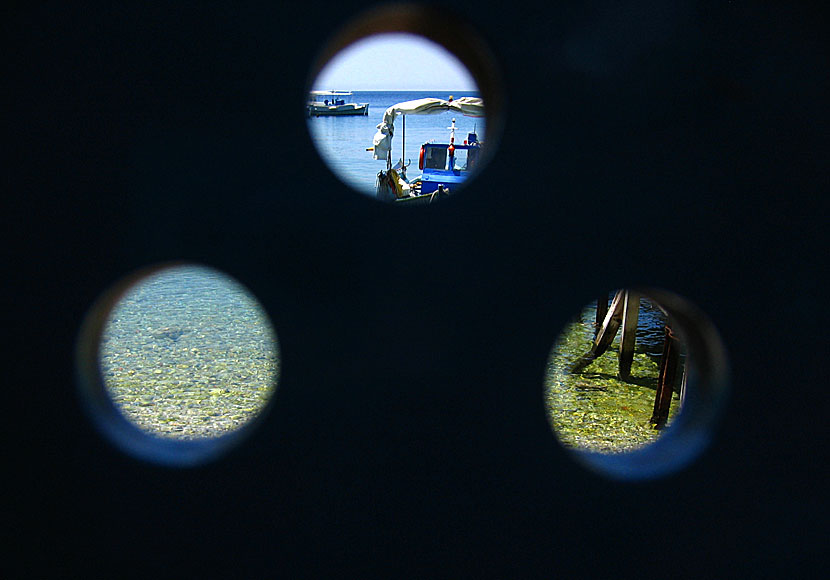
(447, 164)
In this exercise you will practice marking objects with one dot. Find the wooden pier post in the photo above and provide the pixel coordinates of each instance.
(606, 335)
(631, 316)
(602, 311)
(665, 383)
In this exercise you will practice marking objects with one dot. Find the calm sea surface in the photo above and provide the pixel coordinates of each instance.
(342, 141)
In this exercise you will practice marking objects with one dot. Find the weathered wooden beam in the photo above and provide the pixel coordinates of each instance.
(602, 311)
(631, 316)
(666, 381)
(606, 335)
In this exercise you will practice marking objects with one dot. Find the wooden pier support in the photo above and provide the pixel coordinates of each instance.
(602, 311)
(610, 326)
(631, 316)
(669, 363)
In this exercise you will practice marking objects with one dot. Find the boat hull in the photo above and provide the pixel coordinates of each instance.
(349, 109)
(432, 180)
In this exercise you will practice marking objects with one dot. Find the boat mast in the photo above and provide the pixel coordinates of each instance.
(451, 148)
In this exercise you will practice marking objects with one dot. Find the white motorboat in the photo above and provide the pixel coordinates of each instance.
(333, 103)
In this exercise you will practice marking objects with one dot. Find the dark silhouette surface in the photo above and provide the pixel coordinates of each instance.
(408, 435)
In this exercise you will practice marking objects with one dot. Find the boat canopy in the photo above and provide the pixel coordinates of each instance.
(331, 93)
(467, 106)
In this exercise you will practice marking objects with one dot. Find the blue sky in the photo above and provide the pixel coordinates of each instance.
(394, 62)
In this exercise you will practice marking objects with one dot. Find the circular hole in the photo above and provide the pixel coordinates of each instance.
(401, 106)
(176, 363)
(635, 382)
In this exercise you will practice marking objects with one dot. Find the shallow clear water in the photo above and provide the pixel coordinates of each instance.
(188, 353)
(342, 141)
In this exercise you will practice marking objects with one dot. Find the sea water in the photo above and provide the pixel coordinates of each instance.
(188, 353)
(343, 140)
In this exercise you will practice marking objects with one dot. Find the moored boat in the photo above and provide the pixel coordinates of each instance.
(333, 103)
(444, 166)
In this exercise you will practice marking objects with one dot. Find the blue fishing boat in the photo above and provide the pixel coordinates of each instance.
(444, 166)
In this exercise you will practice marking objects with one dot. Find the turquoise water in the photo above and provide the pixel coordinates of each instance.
(342, 141)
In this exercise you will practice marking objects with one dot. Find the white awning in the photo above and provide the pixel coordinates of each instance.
(331, 93)
(467, 106)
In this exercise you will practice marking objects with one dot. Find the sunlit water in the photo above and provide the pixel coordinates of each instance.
(188, 353)
(342, 140)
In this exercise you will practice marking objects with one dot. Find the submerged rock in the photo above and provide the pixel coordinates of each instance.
(170, 332)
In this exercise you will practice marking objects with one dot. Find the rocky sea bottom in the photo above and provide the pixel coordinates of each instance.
(189, 354)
